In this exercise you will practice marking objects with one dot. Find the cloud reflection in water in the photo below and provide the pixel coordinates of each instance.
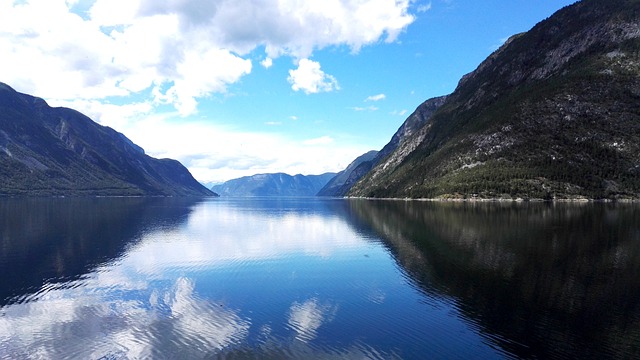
(307, 317)
(145, 304)
(84, 324)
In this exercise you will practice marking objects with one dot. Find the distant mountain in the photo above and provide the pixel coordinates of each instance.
(553, 113)
(342, 183)
(274, 185)
(48, 151)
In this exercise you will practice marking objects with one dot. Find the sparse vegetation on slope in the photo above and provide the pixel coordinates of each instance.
(552, 114)
(48, 151)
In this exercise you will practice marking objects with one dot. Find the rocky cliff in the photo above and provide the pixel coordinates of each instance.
(551, 114)
(47, 151)
(344, 181)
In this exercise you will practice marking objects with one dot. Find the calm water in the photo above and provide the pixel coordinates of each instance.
(317, 278)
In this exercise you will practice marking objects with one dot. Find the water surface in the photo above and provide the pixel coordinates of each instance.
(317, 278)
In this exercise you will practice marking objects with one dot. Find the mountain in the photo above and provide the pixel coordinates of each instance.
(344, 180)
(274, 185)
(551, 114)
(48, 151)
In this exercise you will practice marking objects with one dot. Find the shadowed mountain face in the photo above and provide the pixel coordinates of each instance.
(274, 185)
(541, 280)
(340, 184)
(344, 180)
(53, 240)
(552, 114)
(58, 151)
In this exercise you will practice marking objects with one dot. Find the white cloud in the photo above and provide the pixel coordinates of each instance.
(376, 97)
(122, 62)
(189, 48)
(204, 71)
(47, 50)
(309, 78)
(368, 108)
(215, 153)
(112, 115)
(424, 7)
(267, 63)
(114, 12)
(399, 112)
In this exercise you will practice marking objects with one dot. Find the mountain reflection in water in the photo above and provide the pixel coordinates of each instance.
(295, 278)
(54, 240)
(540, 280)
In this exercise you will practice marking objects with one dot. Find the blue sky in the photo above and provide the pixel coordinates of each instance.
(238, 87)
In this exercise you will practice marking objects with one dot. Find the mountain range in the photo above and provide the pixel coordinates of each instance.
(48, 151)
(278, 184)
(552, 114)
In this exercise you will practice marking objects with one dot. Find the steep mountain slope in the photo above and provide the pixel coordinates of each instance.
(552, 114)
(58, 151)
(274, 185)
(344, 181)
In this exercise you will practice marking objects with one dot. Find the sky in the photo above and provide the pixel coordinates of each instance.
(233, 88)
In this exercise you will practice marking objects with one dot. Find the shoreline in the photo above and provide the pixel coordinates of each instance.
(503, 200)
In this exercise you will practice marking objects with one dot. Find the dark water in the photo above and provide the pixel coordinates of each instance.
(317, 278)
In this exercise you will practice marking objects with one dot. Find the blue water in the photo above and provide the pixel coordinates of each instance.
(316, 278)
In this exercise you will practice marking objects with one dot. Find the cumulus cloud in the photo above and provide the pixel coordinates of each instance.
(308, 77)
(203, 71)
(267, 63)
(48, 50)
(376, 97)
(183, 50)
(137, 65)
